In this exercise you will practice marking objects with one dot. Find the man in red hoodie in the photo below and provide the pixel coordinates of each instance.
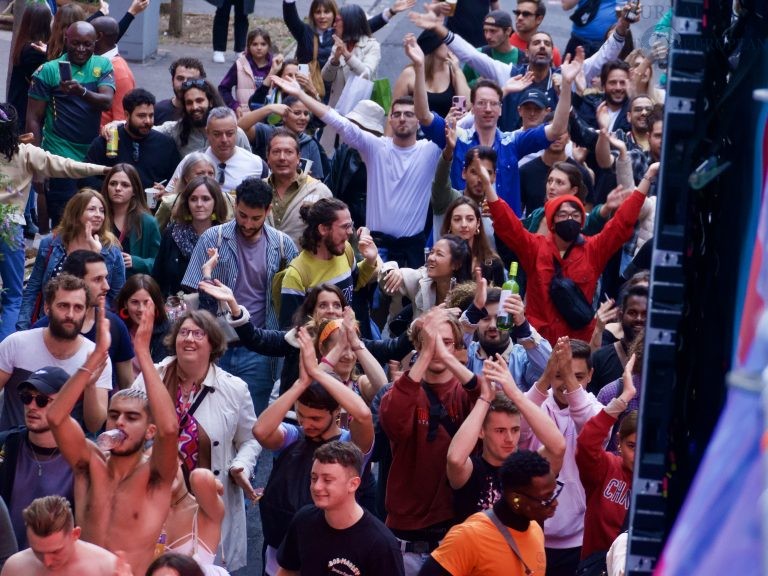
(420, 414)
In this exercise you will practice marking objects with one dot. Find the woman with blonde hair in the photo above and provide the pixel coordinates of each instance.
(642, 78)
(85, 225)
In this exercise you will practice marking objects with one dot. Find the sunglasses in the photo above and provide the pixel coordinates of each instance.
(193, 83)
(524, 13)
(39, 399)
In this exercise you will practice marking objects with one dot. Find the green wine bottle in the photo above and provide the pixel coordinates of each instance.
(503, 319)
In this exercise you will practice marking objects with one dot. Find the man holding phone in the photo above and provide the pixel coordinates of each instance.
(66, 99)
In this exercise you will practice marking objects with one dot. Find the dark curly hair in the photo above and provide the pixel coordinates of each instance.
(520, 468)
(321, 212)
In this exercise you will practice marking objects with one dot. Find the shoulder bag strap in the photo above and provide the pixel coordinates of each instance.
(508, 537)
(198, 400)
(438, 415)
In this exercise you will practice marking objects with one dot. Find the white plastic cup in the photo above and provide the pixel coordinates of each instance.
(452, 5)
(151, 197)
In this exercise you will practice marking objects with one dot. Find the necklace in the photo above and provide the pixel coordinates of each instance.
(49, 452)
(180, 499)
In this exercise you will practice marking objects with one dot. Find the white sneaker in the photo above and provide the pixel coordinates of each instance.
(218, 57)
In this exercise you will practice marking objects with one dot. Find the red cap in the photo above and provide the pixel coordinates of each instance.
(552, 206)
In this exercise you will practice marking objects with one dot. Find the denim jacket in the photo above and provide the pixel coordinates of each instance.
(51, 251)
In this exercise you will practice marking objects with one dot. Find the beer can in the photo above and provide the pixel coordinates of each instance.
(112, 143)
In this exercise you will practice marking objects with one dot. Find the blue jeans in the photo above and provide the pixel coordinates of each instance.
(12, 274)
(255, 370)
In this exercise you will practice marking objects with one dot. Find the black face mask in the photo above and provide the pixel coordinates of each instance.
(568, 230)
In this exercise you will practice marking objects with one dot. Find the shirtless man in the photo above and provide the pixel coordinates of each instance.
(55, 546)
(123, 496)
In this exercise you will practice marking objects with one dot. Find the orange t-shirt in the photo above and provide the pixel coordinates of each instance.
(477, 548)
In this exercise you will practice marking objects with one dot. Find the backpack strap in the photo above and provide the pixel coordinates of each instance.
(438, 416)
(508, 537)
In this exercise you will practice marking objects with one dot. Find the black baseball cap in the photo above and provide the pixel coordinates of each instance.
(500, 18)
(536, 97)
(48, 380)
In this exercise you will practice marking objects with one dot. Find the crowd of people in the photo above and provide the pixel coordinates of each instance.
(430, 317)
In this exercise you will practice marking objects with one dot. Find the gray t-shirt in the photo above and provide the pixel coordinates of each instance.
(251, 286)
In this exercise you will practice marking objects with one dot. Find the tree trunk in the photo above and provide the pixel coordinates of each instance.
(176, 18)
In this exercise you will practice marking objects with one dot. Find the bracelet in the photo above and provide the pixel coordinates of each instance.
(84, 369)
(646, 178)
(620, 399)
(484, 400)
(84, 91)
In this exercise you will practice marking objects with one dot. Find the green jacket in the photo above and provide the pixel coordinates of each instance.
(143, 250)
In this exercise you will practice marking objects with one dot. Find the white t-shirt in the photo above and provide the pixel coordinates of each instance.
(22, 353)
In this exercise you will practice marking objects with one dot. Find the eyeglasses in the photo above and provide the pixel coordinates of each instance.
(193, 83)
(486, 104)
(403, 114)
(40, 399)
(196, 334)
(523, 13)
(549, 501)
(568, 215)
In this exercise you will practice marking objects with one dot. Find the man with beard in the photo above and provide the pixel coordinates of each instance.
(32, 466)
(250, 253)
(293, 187)
(496, 420)
(609, 110)
(610, 360)
(181, 70)
(154, 155)
(486, 98)
(399, 170)
(318, 397)
(528, 17)
(233, 164)
(537, 73)
(124, 494)
(60, 345)
(189, 133)
(64, 114)
(327, 256)
(522, 348)
(92, 268)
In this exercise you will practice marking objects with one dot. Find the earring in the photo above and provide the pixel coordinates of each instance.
(123, 313)
(477, 231)
(516, 500)
(213, 218)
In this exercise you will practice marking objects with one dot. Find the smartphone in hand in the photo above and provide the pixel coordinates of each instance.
(65, 71)
(460, 103)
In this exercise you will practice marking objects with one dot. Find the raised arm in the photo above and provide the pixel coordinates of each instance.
(543, 428)
(416, 56)
(69, 436)
(267, 429)
(569, 70)
(459, 464)
(361, 424)
(164, 458)
(292, 88)
(374, 373)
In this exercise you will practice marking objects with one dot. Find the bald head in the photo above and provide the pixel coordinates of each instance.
(107, 32)
(80, 42)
